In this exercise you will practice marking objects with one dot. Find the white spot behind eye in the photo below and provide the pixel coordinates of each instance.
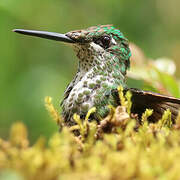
(113, 41)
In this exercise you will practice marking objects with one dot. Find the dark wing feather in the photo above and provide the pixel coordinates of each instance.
(66, 93)
(159, 103)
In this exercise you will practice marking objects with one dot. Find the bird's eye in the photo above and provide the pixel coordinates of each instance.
(106, 41)
(103, 41)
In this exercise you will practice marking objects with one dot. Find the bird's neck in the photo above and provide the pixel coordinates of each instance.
(97, 75)
(92, 59)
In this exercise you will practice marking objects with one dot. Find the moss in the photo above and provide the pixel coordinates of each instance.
(114, 149)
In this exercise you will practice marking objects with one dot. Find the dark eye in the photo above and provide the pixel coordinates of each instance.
(103, 41)
(106, 41)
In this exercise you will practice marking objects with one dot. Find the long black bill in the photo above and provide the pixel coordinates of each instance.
(45, 34)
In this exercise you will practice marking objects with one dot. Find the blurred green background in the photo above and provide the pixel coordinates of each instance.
(33, 68)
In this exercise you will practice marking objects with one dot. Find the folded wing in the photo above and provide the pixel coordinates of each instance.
(159, 103)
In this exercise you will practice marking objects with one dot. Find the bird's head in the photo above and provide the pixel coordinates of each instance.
(94, 46)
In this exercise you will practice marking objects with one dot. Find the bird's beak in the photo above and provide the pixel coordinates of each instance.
(46, 35)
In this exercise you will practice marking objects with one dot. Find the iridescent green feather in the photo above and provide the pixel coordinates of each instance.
(121, 50)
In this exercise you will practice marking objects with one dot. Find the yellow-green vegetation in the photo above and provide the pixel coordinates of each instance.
(127, 150)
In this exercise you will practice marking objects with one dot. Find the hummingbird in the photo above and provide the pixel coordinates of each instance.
(104, 58)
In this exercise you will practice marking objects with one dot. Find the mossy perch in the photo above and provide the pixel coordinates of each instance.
(150, 152)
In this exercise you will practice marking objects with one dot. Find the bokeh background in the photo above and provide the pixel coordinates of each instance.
(32, 68)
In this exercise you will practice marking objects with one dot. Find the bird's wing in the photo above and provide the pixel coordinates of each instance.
(159, 103)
